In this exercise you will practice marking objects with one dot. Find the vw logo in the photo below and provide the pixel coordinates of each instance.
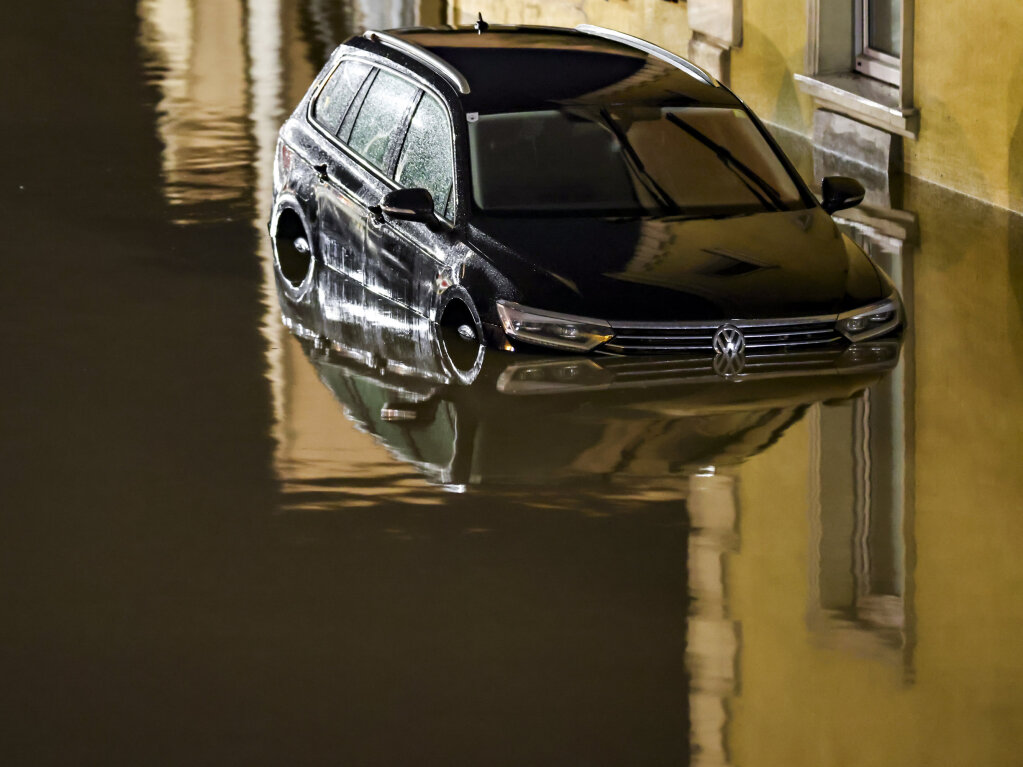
(728, 341)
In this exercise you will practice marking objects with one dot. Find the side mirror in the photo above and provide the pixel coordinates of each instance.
(841, 192)
(408, 205)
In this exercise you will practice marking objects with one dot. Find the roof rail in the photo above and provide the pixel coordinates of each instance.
(620, 37)
(422, 55)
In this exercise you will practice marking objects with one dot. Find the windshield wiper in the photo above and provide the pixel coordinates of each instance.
(636, 165)
(765, 193)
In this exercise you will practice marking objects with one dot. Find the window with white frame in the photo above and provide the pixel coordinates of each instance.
(879, 39)
(859, 62)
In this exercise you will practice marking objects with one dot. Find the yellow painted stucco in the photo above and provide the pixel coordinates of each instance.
(969, 88)
(660, 22)
(772, 50)
(968, 70)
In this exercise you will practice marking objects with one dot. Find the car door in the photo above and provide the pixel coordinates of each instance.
(340, 219)
(375, 137)
(425, 161)
(409, 253)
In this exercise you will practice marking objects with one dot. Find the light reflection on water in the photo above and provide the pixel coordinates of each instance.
(806, 578)
(196, 53)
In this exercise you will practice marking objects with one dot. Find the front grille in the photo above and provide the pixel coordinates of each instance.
(671, 338)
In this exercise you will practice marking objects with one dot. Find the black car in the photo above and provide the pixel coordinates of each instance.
(580, 190)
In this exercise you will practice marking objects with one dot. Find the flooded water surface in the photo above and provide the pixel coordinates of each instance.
(237, 528)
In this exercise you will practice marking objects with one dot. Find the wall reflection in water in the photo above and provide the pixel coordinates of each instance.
(848, 586)
(570, 432)
(196, 54)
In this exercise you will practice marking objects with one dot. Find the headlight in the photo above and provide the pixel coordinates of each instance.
(562, 331)
(871, 321)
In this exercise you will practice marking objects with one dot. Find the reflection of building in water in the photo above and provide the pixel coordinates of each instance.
(197, 59)
(858, 577)
(227, 73)
(859, 565)
(713, 639)
(860, 534)
(385, 14)
(861, 485)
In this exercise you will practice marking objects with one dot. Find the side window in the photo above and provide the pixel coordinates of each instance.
(338, 94)
(381, 116)
(425, 159)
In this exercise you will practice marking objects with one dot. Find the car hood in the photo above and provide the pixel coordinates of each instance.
(765, 265)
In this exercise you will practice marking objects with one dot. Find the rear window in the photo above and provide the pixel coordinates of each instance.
(338, 93)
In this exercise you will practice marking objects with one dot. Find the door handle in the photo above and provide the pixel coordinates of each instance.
(321, 172)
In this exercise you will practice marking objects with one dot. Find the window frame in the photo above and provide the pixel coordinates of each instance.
(831, 79)
(871, 61)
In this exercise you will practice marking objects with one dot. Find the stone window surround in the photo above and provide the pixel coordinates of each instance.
(834, 85)
(716, 27)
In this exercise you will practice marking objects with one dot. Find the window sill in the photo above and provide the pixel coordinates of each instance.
(861, 98)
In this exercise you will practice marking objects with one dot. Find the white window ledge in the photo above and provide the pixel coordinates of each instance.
(862, 98)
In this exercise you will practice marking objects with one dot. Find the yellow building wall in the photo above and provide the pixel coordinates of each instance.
(968, 71)
(968, 68)
(659, 22)
(773, 49)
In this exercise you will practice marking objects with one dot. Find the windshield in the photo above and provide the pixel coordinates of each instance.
(692, 161)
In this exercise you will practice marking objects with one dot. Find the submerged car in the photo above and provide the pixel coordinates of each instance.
(572, 189)
(465, 415)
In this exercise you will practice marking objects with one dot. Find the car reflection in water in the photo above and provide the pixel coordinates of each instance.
(465, 415)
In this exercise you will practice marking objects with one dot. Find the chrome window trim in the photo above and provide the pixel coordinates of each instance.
(376, 61)
(647, 47)
(422, 55)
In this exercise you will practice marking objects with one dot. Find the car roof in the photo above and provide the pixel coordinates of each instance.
(510, 69)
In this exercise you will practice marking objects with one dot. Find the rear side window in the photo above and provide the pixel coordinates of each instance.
(381, 116)
(425, 159)
(339, 92)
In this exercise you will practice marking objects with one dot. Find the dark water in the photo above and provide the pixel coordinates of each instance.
(214, 549)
